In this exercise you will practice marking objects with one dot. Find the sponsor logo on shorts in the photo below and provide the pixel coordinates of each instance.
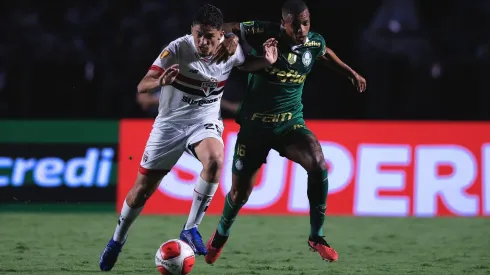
(200, 102)
(295, 127)
(272, 117)
(299, 126)
(145, 157)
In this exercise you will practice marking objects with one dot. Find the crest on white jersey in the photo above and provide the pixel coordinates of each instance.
(209, 86)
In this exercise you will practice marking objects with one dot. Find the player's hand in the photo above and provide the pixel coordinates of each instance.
(359, 82)
(270, 50)
(225, 49)
(169, 75)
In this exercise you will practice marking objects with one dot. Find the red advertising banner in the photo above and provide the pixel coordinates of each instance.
(421, 169)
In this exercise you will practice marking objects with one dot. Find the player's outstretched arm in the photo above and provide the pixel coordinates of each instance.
(232, 27)
(236, 32)
(255, 63)
(155, 79)
(228, 47)
(333, 61)
(241, 33)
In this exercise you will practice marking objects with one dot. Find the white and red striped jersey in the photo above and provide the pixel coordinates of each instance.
(195, 95)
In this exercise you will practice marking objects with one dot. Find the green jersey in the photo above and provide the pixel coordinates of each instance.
(274, 95)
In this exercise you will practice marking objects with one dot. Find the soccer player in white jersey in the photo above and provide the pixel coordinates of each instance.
(188, 120)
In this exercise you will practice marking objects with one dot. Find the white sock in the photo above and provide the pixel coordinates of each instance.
(127, 217)
(203, 194)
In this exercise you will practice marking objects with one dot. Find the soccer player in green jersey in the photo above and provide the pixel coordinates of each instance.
(271, 117)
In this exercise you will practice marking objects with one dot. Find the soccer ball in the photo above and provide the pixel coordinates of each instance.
(174, 257)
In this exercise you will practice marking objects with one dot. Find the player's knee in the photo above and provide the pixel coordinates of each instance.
(319, 163)
(316, 164)
(213, 164)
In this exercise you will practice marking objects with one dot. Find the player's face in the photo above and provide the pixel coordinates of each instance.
(297, 26)
(206, 39)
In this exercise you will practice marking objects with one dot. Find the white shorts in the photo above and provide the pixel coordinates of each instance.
(169, 141)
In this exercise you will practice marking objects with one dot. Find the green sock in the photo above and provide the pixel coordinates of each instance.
(230, 211)
(317, 196)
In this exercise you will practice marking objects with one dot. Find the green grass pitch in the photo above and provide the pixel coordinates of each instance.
(70, 243)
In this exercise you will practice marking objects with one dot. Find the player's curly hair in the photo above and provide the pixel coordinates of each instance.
(209, 15)
(293, 7)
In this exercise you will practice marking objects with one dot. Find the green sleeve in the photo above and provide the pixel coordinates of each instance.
(255, 33)
(323, 46)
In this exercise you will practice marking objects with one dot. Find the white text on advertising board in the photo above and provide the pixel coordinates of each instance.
(363, 170)
(91, 170)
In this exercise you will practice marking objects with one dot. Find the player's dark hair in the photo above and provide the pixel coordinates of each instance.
(209, 15)
(293, 7)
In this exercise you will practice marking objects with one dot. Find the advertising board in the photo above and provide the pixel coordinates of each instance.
(375, 169)
(58, 161)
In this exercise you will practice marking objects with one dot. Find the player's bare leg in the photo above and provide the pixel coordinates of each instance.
(241, 189)
(305, 150)
(210, 152)
(146, 184)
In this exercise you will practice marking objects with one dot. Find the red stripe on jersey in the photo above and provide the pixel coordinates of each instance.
(196, 82)
(156, 68)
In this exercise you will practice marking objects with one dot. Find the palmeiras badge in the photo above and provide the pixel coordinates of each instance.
(306, 58)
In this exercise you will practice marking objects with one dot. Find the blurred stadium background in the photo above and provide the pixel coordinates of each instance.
(416, 144)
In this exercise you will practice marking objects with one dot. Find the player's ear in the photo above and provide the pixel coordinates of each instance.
(282, 23)
(195, 26)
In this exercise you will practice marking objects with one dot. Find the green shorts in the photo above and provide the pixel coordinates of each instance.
(254, 143)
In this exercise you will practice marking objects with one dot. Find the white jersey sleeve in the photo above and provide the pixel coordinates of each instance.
(168, 57)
